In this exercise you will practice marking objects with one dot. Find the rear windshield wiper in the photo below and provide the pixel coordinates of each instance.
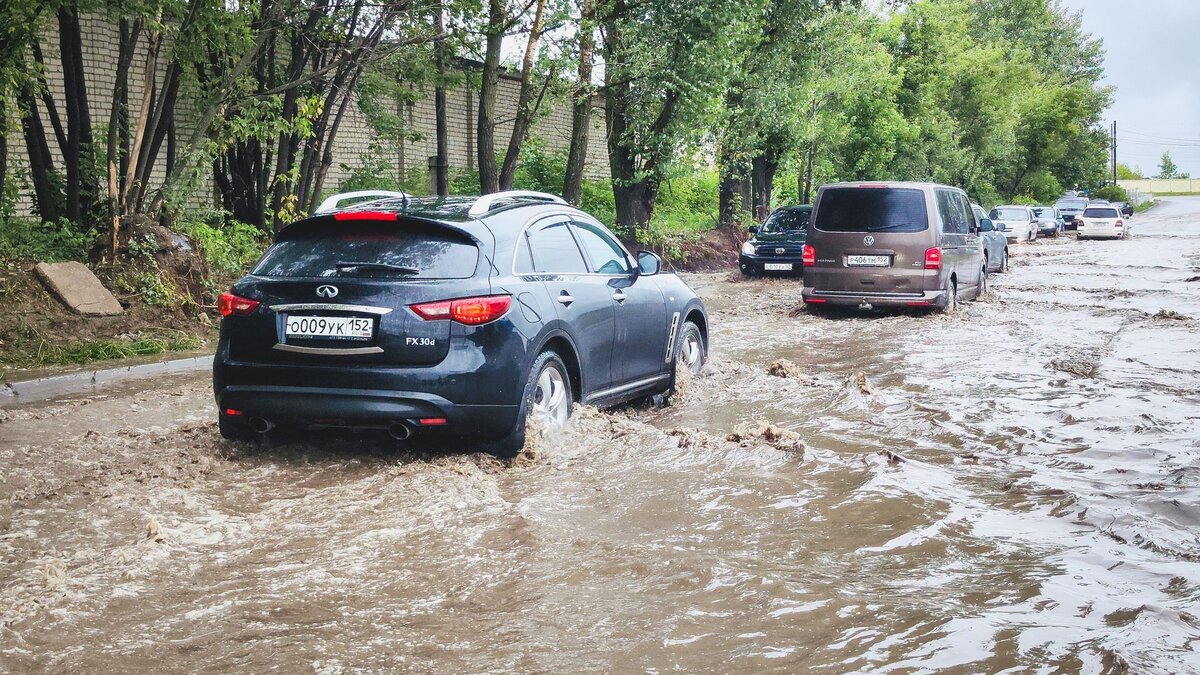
(398, 269)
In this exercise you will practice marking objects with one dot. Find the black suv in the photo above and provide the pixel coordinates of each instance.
(778, 245)
(455, 316)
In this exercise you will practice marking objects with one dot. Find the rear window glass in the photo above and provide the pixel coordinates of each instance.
(872, 210)
(1009, 214)
(1106, 212)
(1071, 203)
(786, 220)
(402, 250)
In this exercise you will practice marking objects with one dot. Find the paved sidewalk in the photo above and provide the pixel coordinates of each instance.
(17, 392)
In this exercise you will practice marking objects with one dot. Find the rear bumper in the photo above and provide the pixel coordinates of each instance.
(818, 297)
(305, 407)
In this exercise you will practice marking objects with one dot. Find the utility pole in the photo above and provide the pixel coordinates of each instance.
(1114, 152)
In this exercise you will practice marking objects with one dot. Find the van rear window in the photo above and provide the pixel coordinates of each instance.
(409, 250)
(872, 210)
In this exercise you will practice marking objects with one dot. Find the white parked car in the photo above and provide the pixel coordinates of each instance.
(1103, 221)
(1016, 222)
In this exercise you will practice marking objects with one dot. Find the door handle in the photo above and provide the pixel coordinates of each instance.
(619, 296)
(565, 298)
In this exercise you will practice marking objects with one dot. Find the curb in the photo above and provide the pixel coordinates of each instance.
(12, 393)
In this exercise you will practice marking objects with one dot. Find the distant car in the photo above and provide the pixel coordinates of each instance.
(778, 245)
(1103, 222)
(1070, 208)
(892, 244)
(1125, 208)
(1016, 222)
(1049, 224)
(460, 317)
(993, 241)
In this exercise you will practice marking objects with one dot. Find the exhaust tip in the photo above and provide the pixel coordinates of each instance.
(399, 431)
(260, 425)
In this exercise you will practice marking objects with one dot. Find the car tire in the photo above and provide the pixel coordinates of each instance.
(1004, 261)
(688, 335)
(748, 272)
(951, 297)
(548, 382)
(983, 284)
(235, 431)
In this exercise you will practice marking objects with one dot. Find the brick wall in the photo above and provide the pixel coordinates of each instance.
(100, 39)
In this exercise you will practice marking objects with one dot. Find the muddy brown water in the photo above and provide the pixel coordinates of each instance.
(1014, 486)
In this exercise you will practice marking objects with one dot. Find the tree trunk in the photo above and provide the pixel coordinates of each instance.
(525, 106)
(485, 127)
(117, 122)
(47, 196)
(807, 178)
(77, 155)
(763, 183)
(441, 171)
(581, 112)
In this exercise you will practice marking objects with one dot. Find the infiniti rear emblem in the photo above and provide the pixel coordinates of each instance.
(327, 291)
(868, 240)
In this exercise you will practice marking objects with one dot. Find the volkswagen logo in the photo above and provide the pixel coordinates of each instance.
(867, 241)
(327, 291)
(780, 251)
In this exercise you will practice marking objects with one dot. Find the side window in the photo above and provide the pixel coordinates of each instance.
(948, 210)
(966, 215)
(606, 255)
(523, 264)
(554, 249)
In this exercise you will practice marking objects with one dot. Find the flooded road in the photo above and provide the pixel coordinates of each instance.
(1016, 485)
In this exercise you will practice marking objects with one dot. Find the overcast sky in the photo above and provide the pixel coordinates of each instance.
(1151, 59)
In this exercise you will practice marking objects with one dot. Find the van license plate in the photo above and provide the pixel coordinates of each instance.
(330, 327)
(867, 260)
(777, 267)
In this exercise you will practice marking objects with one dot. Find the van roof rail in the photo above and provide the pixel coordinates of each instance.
(485, 203)
(332, 203)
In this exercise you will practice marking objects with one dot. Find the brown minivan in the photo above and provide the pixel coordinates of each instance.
(892, 245)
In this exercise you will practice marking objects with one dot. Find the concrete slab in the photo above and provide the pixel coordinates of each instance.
(78, 288)
(91, 380)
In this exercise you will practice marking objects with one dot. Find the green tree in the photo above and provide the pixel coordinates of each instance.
(1167, 168)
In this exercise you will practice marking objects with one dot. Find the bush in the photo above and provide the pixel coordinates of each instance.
(1112, 193)
(229, 248)
(22, 238)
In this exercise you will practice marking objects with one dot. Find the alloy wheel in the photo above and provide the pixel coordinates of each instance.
(551, 402)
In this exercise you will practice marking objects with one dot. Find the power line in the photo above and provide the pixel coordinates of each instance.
(1162, 138)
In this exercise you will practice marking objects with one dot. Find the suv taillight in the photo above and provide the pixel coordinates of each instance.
(808, 256)
(228, 303)
(1120, 223)
(467, 311)
(933, 258)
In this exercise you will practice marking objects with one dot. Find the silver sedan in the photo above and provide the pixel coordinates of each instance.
(993, 241)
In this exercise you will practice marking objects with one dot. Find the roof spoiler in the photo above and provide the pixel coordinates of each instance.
(333, 203)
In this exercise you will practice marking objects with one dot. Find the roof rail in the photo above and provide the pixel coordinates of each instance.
(484, 204)
(331, 204)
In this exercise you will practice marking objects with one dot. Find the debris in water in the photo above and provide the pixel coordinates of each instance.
(780, 439)
(859, 380)
(55, 574)
(1171, 315)
(893, 458)
(782, 368)
(1078, 366)
(154, 531)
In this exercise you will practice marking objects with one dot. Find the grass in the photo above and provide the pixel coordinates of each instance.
(32, 350)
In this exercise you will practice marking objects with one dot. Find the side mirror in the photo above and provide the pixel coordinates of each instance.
(648, 263)
(753, 229)
(986, 225)
(1000, 227)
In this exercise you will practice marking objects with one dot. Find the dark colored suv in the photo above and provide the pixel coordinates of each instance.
(459, 316)
(892, 245)
(778, 245)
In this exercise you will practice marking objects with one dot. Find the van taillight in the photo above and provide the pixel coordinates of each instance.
(933, 258)
(228, 303)
(808, 256)
(467, 311)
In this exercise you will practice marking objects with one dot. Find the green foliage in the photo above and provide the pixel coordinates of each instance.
(1125, 172)
(29, 239)
(31, 349)
(229, 248)
(1167, 168)
(1112, 193)
(157, 291)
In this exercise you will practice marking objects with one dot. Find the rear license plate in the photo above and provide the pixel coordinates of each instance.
(777, 267)
(330, 327)
(867, 260)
